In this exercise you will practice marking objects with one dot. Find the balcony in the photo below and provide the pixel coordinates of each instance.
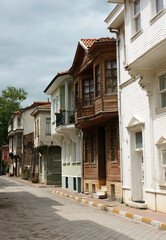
(65, 118)
(13, 131)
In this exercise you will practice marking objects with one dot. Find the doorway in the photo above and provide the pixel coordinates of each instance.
(137, 168)
(101, 152)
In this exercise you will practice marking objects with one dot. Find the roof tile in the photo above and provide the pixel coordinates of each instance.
(88, 42)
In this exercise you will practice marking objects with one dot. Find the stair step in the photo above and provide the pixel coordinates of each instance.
(104, 188)
(99, 196)
(137, 205)
(102, 192)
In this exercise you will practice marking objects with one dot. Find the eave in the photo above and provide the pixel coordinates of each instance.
(116, 17)
(96, 119)
(56, 82)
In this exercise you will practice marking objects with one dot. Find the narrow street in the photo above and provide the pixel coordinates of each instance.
(35, 213)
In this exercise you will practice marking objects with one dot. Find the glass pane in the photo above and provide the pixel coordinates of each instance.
(159, 5)
(163, 82)
(114, 73)
(108, 89)
(138, 140)
(164, 156)
(136, 6)
(163, 99)
(86, 83)
(114, 64)
(91, 82)
(86, 89)
(108, 65)
(91, 89)
(138, 23)
(108, 73)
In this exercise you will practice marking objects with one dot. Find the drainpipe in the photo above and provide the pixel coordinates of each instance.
(115, 31)
(82, 166)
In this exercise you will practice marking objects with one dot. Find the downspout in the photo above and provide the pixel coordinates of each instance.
(82, 165)
(115, 31)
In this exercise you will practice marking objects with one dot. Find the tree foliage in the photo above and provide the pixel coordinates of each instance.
(10, 101)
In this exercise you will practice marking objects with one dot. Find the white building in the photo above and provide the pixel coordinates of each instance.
(49, 154)
(141, 54)
(21, 141)
(63, 129)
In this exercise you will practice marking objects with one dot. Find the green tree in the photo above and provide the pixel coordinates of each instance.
(10, 101)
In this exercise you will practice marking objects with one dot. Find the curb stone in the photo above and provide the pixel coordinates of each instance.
(103, 207)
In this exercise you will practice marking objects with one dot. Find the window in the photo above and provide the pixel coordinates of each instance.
(162, 92)
(138, 140)
(88, 92)
(163, 156)
(18, 122)
(97, 80)
(55, 107)
(76, 95)
(159, 5)
(137, 15)
(111, 76)
(73, 152)
(64, 152)
(37, 128)
(67, 152)
(114, 144)
(19, 141)
(48, 126)
(5, 153)
(90, 149)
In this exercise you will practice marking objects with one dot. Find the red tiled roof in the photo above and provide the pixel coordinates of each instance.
(48, 105)
(59, 73)
(88, 42)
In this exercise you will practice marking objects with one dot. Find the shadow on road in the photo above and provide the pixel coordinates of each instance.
(29, 216)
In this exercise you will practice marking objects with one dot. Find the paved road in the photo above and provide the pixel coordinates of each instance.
(34, 213)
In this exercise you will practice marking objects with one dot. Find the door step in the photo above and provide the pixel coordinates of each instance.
(101, 193)
(137, 205)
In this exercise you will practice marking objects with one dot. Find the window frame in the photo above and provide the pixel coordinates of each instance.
(111, 76)
(136, 17)
(97, 73)
(156, 6)
(114, 144)
(48, 126)
(90, 140)
(76, 94)
(90, 94)
(161, 91)
(138, 148)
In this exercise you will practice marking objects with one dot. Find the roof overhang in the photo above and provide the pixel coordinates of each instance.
(151, 59)
(116, 17)
(37, 110)
(56, 82)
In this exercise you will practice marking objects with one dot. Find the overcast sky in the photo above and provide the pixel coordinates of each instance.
(39, 38)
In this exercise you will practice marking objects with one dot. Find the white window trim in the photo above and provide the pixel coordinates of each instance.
(134, 17)
(159, 109)
(73, 152)
(64, 151)
(67, 152)
(162, 167)
(138, 149)
(153, 13)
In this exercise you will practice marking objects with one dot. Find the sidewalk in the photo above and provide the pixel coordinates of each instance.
(156, 219)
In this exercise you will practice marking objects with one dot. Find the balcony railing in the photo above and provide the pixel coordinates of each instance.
(60, 118)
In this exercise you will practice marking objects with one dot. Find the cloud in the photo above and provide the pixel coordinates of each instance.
(39, 38)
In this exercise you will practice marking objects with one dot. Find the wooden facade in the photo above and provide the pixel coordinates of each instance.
(96, 113)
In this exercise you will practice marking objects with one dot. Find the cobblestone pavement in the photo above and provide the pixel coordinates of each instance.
(34, 213)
